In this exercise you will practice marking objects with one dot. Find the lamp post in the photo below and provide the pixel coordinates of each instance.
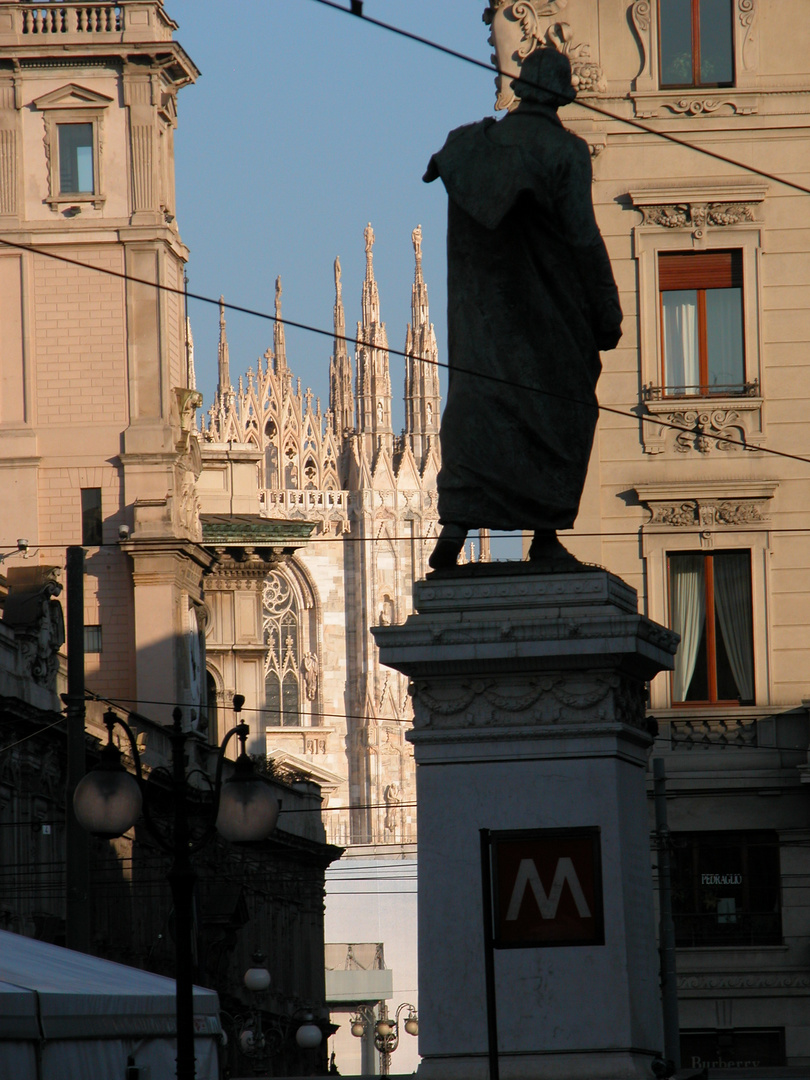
(109, 800)
(386, 1031)
(253, 1036)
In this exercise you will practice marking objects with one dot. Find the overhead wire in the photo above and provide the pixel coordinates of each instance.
(582, 102)
(356, 12)
(720, 438)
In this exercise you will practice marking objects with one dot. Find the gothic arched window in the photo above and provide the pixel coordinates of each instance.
(282, 641)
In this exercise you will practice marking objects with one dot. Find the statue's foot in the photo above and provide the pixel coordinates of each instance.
(448, 547)
(550, 555)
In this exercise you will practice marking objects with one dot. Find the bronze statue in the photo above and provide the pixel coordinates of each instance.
(531, 302)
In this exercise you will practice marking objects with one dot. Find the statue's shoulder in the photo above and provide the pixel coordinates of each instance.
(470, 131)
(458, 148)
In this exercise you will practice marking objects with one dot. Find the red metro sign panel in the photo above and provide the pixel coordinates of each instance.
(547, 888)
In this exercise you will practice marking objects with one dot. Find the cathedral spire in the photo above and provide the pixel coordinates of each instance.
(279, 341)
(224, 385)
(373, 375)
(341, 401)
(371, 294)
(422, 399)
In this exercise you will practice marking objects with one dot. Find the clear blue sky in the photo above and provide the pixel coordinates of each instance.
(305, 125)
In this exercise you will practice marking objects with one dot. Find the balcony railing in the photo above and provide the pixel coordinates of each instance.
(659, 393)
(69, 23)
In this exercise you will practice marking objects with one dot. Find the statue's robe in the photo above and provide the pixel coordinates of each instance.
(531, 301)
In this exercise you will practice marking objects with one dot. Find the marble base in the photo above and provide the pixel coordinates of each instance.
(529, 700)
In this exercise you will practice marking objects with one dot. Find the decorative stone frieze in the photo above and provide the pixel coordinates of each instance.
(698, 215)
(707, 505)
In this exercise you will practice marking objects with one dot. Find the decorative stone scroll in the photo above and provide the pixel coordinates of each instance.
(723, 426)
(521, 26)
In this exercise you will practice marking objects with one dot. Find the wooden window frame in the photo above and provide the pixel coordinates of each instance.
(701, 271)
(713, 700)
(696, 82)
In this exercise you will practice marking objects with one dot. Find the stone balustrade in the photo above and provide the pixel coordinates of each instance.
(69, 23)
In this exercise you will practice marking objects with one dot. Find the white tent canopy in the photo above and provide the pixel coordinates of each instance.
(67, 1016)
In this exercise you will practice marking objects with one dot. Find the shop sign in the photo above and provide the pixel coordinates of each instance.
(721, 879)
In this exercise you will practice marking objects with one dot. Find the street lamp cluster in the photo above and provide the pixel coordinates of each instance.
(109, 800)
(386, 1031)
(253, 1037)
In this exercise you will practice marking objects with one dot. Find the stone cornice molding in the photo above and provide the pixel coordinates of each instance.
(483, 621)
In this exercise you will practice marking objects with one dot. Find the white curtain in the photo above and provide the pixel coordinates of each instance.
(688, 597)
(732, 599)
(681, 364)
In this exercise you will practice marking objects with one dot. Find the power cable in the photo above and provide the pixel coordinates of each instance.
(492, 68)
(273, 712)
(608, 534)
(720, 439)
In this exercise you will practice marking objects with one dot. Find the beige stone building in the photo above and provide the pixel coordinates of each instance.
(684, 499)
(96, 399)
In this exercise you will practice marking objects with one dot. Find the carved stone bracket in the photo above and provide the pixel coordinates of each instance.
(727, 425)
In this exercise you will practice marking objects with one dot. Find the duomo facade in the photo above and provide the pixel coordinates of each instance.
(291, 631)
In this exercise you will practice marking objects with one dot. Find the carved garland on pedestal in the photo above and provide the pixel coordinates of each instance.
(548, 700)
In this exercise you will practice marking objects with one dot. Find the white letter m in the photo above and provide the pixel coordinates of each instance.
(527, 875)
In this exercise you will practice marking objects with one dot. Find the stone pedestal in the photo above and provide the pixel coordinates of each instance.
(529, 700)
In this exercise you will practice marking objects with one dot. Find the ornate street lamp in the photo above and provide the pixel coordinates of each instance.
(386, 1031)
(109, 800)
(253, 1037)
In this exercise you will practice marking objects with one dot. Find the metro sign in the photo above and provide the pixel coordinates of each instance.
(547, 888)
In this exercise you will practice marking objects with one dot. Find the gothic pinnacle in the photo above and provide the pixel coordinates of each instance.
(222, 353)
(279, 340)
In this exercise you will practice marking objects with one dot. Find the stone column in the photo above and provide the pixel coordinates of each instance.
(529, 699)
